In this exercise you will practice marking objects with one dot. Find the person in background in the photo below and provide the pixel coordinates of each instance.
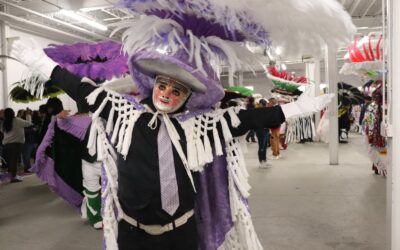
(42, 111)
(2, 161)
(262, 137)
(364, 108)
(282, 136)
(274, 138)
(37, 121)
(20, 113)
(14, 138)
(53, 107)
(250, 105)
(31, 140)
(344, 123)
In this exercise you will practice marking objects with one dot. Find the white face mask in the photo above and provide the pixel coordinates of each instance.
(169, 95)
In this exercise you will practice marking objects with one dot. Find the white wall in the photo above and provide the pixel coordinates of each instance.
(16, 72)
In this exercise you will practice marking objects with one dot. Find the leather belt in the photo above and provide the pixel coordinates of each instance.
(159, 229)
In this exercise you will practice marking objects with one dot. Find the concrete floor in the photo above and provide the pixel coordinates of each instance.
(301, 203)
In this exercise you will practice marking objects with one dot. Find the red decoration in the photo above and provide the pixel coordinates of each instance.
(285, 75)
(367, 53)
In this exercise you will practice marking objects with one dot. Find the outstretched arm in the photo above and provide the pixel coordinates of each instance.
(274, 116)
(257, 118)
(35, 59)
(76, 89)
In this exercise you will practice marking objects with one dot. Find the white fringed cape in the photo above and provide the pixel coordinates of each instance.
(107, 135)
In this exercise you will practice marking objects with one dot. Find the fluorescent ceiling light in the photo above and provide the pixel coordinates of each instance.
(278, 51)
(83, 19)
(283, 66)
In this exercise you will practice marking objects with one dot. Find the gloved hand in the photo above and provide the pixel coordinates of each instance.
(33, 56)
(306, 105)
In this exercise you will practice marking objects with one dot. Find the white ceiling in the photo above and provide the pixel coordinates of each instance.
(41, 16)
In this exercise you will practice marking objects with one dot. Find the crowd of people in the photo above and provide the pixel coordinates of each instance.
(265, 137)
(21, 133)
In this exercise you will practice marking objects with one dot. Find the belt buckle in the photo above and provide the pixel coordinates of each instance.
(169, 226)
(154, 230)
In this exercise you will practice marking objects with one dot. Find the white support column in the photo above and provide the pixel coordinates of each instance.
(3, 71)
(317, 83)
(310, 67)
(393, 182)
(240, 78)
(313, 73)
(331, 78)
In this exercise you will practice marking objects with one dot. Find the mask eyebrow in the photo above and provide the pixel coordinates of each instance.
(175, 84)
(180, 88)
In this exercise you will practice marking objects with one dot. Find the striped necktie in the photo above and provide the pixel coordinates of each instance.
(168, 183)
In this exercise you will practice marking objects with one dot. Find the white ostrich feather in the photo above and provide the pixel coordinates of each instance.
(198, 49)
(300, 27)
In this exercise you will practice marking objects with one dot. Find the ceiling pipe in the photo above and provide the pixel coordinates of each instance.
(55, 5)
(5, 17)
(56, 20)
(368, 8)
(354, 7)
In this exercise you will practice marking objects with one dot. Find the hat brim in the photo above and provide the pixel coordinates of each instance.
(154, 67)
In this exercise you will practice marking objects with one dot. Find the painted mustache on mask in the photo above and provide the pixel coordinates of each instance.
(164, 99)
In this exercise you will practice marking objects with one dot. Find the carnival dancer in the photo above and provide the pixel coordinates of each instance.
(174, 173)
(148, 218)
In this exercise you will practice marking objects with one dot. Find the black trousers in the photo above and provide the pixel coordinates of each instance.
(263, 138)
(12, 155)
(181, 238)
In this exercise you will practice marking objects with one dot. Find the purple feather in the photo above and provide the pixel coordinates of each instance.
(199, 25)
(204, 19)
(98, 61)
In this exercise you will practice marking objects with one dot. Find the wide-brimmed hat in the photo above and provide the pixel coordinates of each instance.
(145, 65)
(154, 67)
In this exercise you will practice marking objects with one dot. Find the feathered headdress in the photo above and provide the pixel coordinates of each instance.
(366, 56)
(19, 94)
(199, 36)
(98, 61)
(284, 81)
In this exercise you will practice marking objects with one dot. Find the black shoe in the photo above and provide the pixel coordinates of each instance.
(15, 180)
